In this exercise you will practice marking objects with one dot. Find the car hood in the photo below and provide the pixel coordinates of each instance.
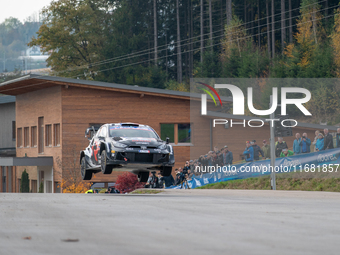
(138, 141)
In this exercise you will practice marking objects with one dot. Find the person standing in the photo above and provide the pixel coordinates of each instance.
(319, 143)
(328, 140)
(266, 149)
(227, 156)
(296, 144)
(249, 152)
(257, 150)
(305, 143)
(337, 138)
(315, 139)
(280, 145)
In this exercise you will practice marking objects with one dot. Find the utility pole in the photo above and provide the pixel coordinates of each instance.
(4, 61)
(272, 149)
(27, 54)
(155, 32)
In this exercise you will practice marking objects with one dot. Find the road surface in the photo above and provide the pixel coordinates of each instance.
(172, 222)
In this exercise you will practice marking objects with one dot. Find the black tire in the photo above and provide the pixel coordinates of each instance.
(85, 174)
(166, 170)
(103, 162)
(143, 176)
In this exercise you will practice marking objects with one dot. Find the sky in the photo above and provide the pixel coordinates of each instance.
(20, 9)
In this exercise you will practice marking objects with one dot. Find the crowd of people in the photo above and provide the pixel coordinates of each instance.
(182, 174)
(253, 152)
(303, 144)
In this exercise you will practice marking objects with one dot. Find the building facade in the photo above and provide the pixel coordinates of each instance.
(52, 114)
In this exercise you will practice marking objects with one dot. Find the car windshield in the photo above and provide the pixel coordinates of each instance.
(132, 132)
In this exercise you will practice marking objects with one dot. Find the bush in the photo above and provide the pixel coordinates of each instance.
(127, 182)
(41, 187)
(24, 186)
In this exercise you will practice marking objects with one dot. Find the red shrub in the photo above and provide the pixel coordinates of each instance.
(127, 182)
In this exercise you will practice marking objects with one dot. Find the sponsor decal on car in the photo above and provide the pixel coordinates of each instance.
(144, 151)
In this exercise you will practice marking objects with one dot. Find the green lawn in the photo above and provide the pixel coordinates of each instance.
(263, 183)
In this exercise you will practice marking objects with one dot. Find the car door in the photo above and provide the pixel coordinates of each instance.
(95, 146)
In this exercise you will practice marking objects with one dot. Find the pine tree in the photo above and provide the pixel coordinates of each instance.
(24, 186)
(335, 42)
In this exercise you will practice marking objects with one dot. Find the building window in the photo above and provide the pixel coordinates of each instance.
(26, 137)
(19, 136)
(13, 131)
(56, 133)
(48, 135)
(184, 133)
(3, 179)
(34, 186)
(41, 134)
(167, 130)
(34, 136)
(177, 133)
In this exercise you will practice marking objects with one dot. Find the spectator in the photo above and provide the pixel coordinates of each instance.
(280, 145)
(160, 181)
(328, 140)
(153, 180)
(257, 150)
(305, 143)
(286, 153)
(177, 177)
(249, 152)
(220, 160)
(227, 156)
(210, 158)
(190, 174)
(192, 166)
(186, 166)
(266, 149)
(337, 138)
(319, 143)
(296, 144)
(216, 150)
(168, 180)
(315, 139)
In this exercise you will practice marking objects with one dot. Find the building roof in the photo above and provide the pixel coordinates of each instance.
(26, 161)
(34, 82)
(7, 99)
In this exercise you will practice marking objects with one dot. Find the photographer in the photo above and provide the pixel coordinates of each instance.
(305, 143)
(153, 182)
(177, 177)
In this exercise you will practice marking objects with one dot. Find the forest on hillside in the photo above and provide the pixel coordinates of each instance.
(164, 43)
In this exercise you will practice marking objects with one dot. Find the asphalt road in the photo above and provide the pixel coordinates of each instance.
(173, 222)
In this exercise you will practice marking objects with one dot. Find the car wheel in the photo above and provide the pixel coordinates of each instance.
(143, 176)
(104, 167)
(85, 174)
(166, 170)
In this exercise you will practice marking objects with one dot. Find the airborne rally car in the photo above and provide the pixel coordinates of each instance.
(129, 146)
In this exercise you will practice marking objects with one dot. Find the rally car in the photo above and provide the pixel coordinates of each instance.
(127, 147)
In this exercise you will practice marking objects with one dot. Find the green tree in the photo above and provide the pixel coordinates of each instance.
(73, 32)
(24, 186)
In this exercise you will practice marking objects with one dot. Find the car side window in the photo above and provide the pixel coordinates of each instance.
(99, 133)
(104, 132)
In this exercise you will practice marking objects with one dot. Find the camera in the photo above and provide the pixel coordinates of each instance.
(303, 137)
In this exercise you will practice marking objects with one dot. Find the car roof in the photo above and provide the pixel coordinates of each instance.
(128, 124)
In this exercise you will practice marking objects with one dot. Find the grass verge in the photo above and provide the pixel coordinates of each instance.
(146, 191)
(263, 183)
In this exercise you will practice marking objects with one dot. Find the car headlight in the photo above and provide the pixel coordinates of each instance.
(162, 146)
(119, 145)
